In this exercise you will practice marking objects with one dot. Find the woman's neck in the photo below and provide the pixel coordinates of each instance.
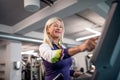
(55, 41)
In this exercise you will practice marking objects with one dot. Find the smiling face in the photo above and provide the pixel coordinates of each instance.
(55, 30)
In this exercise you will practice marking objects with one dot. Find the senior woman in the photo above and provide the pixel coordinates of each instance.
(56, 59)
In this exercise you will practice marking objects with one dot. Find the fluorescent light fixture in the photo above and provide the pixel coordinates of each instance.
(30, 52)
(93, 31)
(39, 58)
(87, 37)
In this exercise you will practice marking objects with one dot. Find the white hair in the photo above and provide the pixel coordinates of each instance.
(46, 35)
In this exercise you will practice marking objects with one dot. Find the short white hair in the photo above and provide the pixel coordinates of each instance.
(46, 35)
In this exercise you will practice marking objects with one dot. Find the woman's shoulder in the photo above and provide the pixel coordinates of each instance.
(45, 45)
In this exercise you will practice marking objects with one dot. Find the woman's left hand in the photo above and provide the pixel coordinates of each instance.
(77, 74)
(89, 44)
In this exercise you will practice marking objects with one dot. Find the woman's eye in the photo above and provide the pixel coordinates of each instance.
(58, 26)
(61, 27)
(55, 25)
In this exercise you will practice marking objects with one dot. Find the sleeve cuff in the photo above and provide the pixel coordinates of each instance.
(66, 55)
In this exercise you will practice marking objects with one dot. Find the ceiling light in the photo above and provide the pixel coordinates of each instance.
(87, 37)
(39, 58)
(30, 52)
(93, 31)
(91, 36)
(32, 5)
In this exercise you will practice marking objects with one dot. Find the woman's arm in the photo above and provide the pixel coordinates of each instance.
(87, 45)
(54, 56)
